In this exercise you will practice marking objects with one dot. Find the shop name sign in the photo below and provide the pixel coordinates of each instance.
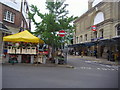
(94, 28)
(95, 39)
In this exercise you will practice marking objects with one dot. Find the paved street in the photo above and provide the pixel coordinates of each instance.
(85, 74)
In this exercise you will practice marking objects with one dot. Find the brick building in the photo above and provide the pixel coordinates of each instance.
(106, 18)
(14, 17)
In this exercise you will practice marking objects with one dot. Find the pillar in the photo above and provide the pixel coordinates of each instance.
(32, 59)
(19, 58)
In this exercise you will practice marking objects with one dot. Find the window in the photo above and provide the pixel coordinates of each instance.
(9, 16)
(101, 33)
(77, 39)
(85, 37)
(95, 34)
(118, 29)
(81, 38)
(99, 18)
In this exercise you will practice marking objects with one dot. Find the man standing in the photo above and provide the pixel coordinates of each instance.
(95, 53)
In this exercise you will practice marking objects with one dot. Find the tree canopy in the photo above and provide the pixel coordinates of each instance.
(55, 20)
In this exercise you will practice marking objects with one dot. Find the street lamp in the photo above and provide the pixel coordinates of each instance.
(97, 48)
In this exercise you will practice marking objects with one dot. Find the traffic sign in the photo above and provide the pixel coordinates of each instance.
(94, 28)
(62, 33)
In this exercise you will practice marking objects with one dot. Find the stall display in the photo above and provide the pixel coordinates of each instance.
(23, 45)
(13, 59)
(22, 49)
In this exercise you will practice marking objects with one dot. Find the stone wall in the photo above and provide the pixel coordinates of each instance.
(83, 24)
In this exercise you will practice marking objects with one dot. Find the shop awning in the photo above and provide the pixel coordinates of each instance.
(83, 44)
(89, 44)
(23, 36)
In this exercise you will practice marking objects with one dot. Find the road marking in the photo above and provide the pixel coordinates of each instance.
(109, 69)
(88, 61)
(104, 69)
(95, 61)
(98, 68)
(82, 67)
(108, 66)
(89, 68)
(112, 69)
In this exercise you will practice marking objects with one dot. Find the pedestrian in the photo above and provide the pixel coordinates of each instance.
(108, 55)
(82, 53)
(72, 51)
(118, 58)
(91, 52)
(95, 53)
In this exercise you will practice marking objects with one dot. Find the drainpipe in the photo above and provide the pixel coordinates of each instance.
(1, 48)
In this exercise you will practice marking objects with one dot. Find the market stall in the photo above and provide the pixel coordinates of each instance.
(23, 46)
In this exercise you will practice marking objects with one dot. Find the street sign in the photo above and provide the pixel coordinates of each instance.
(62, 33)
(94, 28)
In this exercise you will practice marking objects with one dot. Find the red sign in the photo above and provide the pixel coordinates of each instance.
(62, 33)
(94, 28)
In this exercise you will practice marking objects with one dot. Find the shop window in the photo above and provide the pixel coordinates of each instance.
(9, 16)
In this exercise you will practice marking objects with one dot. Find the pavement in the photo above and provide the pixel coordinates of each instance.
(69, 65)
(96, 60)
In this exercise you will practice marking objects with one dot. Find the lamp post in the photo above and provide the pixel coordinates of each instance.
(98, 48)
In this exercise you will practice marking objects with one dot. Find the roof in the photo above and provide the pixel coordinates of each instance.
(3, 27)
(23, 36)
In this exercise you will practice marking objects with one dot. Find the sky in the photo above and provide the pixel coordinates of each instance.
(75, 7)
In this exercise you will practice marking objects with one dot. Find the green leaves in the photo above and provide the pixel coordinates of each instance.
(52, 22)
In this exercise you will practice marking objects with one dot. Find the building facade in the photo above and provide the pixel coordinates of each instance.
(13, 18)
(15, 15)
(106, 18)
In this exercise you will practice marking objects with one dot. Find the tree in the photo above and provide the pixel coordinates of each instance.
(52, 22)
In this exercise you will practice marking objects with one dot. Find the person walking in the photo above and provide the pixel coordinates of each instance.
(82, 53)
(108, 55)
(95, 53)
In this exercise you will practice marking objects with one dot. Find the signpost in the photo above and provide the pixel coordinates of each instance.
(94, 28)
(62, 33)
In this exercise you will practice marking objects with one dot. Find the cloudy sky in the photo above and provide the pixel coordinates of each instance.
(76, 7)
